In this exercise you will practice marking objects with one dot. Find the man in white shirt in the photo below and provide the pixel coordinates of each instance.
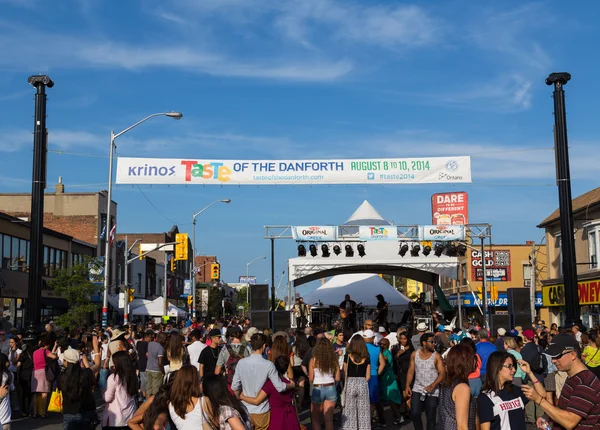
(196, 347)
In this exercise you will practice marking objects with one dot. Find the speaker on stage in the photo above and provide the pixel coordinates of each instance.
(500, 320)
(281, 320)
(260, 319)
(519, 307)
(259, 297)
(522, 320)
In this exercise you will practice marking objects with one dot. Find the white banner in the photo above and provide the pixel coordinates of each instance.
(442, 232)
(378, 232)
(315, 232)
(424, 170)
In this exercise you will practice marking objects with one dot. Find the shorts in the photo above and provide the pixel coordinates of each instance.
(374, 389)
(154, 382)
(143, 382)
(324, 394)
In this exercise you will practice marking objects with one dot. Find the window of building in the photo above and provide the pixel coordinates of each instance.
(527, 275)
(593, 231)
(560, 256)
(463, 274)
(5, 251)
(14, 255)
(139, 283)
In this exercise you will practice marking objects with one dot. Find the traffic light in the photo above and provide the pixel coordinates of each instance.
(140, 252)
(130, 295)
(190, 300)
(172, 264)
(494, 293)
(181, 248)
(215, 271)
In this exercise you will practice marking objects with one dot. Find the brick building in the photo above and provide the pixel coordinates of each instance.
(203, 262)
(60, 251)
(79, 215)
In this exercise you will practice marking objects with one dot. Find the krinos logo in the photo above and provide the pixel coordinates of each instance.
(212, 170)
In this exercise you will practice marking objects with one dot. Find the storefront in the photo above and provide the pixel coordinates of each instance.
(553, 296)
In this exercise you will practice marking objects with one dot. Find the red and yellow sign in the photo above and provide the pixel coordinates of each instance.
(589, 293)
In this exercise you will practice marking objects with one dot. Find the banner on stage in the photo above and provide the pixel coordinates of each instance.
(423, 170)
(319, 233)
(441, 233)
(382, 232)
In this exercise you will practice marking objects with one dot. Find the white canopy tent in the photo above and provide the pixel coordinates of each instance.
(156, 307)
(113, 300)
(362, 287)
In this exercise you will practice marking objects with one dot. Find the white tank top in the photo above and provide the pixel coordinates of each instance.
(193, 419)
(322, 378)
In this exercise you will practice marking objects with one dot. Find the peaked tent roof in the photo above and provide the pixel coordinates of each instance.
(362, 287)
(366, 214)
(155, 309)
(580, 203)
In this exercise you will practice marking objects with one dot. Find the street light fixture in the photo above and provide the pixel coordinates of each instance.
(113, 137)
(192, 274)
(262, 257)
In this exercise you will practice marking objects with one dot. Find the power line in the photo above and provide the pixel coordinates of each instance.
(158, 210)
(79, 154)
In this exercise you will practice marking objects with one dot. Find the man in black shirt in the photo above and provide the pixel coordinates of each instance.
(142, 352)
(348, 313)
(208, 356)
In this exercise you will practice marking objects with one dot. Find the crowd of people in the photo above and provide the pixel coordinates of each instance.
(226, 374)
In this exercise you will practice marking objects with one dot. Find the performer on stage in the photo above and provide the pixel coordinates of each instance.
(348, 313)
(382, 311)
(301, 311)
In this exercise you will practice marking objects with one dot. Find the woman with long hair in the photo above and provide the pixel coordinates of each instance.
(39, 384)
(401, 353)
(281, 348)
(591, 353)
(299, 349)
(77, 386)
(501, 404)
(175, 353)
(186, 408)
(323, 372)
(357, 370)
(283, 414)
(510, 345)
(224, 410)
(475, 376)
(388, 386)
(456, 408)
(24, 374)
(153, 414)
(121, 389)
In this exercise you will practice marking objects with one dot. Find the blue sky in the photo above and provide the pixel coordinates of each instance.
(311, 79)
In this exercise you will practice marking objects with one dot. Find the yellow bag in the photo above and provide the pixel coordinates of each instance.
(56, 402)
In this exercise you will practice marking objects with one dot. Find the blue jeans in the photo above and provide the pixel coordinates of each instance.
(417, 405)
(475, 386)
(103, 378)
(82, 421)
(322, 394)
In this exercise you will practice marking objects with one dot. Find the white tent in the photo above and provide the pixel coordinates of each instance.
(362, 287)
(113, 300)
(156, 307)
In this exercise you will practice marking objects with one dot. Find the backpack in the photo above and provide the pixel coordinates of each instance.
(542, 366)
(232, 361)
(439, 346)
(52, 368)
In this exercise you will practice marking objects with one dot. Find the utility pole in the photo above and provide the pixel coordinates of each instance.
(563, 180)
(126, 279)
(484, 284)
(36, 252)
(532, 280)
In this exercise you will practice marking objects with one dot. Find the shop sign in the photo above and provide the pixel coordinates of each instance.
(588, 292)
(450, 208)
(497, 265)
(470, 301)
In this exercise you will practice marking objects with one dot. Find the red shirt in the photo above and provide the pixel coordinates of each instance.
(581, 396)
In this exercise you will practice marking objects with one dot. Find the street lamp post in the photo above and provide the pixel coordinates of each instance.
(262, 257)
(107, 248)
(192, 275)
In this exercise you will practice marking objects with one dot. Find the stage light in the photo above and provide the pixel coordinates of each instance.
(361, 250)
(301, 251)
(451, 250)
(313, 249)
(426, 250)
(462, 250)
(337, 250)
(349, 251)
(415, 250)
(439, 249)
(403, 250)
(325, 251)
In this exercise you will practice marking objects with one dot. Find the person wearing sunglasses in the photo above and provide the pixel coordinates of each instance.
(579, 401)
(501, 404)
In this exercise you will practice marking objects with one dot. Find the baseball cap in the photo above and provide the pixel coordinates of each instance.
(529, 334)
(513, 333)
(381, 329)
(250, 332)
(368, 334)
(214, 332)
(421, 326)
(562, 342)
(501, 331)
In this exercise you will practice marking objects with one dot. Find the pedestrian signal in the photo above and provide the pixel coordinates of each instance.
(190, 300)
(130, 295)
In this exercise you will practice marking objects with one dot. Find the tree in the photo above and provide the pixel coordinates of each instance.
(240, 298)
(215, 296)
(76, 285)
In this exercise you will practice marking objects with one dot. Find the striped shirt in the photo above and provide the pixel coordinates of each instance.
(581, 396)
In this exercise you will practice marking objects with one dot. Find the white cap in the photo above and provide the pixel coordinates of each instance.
(368, 334)
(381, 329)
(501, 331)
(421, 326)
